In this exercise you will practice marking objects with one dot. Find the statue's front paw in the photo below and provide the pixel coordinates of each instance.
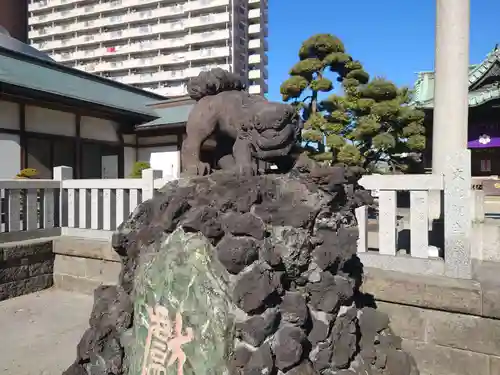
(248, 170)
(197, 169)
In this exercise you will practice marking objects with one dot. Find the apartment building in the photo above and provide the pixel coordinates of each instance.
(154, 45)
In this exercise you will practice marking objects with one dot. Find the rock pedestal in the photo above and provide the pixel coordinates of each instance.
(269, 261)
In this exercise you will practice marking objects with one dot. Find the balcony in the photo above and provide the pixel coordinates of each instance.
(209, 19)
(144, 46)
(171, 75)
(209, 53)
(254, 74)
(171, 91)
(254, 13)
(207, 4)
(47, 4)
(254, 59)
(259, 45)
(254, 89)
(128, 17)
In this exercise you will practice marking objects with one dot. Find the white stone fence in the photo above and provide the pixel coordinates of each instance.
(387, 187)
(457, 204)
(93, 208)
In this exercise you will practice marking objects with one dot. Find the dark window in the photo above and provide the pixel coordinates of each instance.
(64, 152)
(39, 156)
(91, 160)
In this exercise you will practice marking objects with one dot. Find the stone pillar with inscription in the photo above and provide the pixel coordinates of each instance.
(451, 158)
(451, 103)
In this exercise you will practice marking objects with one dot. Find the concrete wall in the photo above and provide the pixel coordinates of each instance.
(25, 267)
(452, 327)
(82, 265)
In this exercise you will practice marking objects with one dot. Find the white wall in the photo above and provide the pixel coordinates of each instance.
(99, 129)
(165, 158)
(10, 147)
(49, 121)
(10, 155)
(9, 115)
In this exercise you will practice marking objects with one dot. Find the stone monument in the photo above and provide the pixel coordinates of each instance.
(242, 273)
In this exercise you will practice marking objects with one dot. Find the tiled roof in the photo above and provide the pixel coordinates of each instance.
(424, 86)
(31, 72)
(168, 116)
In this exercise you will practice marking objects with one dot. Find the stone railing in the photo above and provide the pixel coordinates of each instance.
(90, 208)
(444, 203)
(387, 187)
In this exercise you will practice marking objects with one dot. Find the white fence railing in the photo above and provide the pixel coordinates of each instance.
(387, 187)
(84, 208)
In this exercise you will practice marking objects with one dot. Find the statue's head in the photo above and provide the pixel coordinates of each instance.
(275, 129)
(274, 115)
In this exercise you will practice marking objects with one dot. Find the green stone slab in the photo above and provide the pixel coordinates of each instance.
(185, 277)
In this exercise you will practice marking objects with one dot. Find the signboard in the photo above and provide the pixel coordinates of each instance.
(491, 187)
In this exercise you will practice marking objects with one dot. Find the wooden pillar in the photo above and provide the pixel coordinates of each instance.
(78, 147)
(22, 136)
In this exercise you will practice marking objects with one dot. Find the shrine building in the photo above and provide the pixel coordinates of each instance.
(484, 114)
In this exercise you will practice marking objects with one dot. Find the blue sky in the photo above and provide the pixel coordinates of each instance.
(392, 38)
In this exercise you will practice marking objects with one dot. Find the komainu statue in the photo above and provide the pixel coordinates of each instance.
(247, 129)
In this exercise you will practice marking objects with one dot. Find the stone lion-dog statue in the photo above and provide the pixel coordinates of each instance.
(246, 128)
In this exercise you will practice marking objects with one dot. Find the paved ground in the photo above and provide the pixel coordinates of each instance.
(39, 332)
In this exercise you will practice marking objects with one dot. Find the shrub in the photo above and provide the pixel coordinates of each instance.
(27, 173)
(138, 167)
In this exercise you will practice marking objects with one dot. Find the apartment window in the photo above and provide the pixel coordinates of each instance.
(88, 8)
(145, 29)
(115, 18)
(88, 38)
(485, 165)
(115, 34)
(242, 26)
(116, 2)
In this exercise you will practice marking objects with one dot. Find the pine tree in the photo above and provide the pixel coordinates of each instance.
(371, 121)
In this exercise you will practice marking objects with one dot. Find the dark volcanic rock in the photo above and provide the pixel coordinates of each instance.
(321, 324)
(288, 346)
(253, 287)
(257, 328)
(261, 362)
(245, 224)
(277, 252)
(330, 292)
(294, 309)
(235, 253)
